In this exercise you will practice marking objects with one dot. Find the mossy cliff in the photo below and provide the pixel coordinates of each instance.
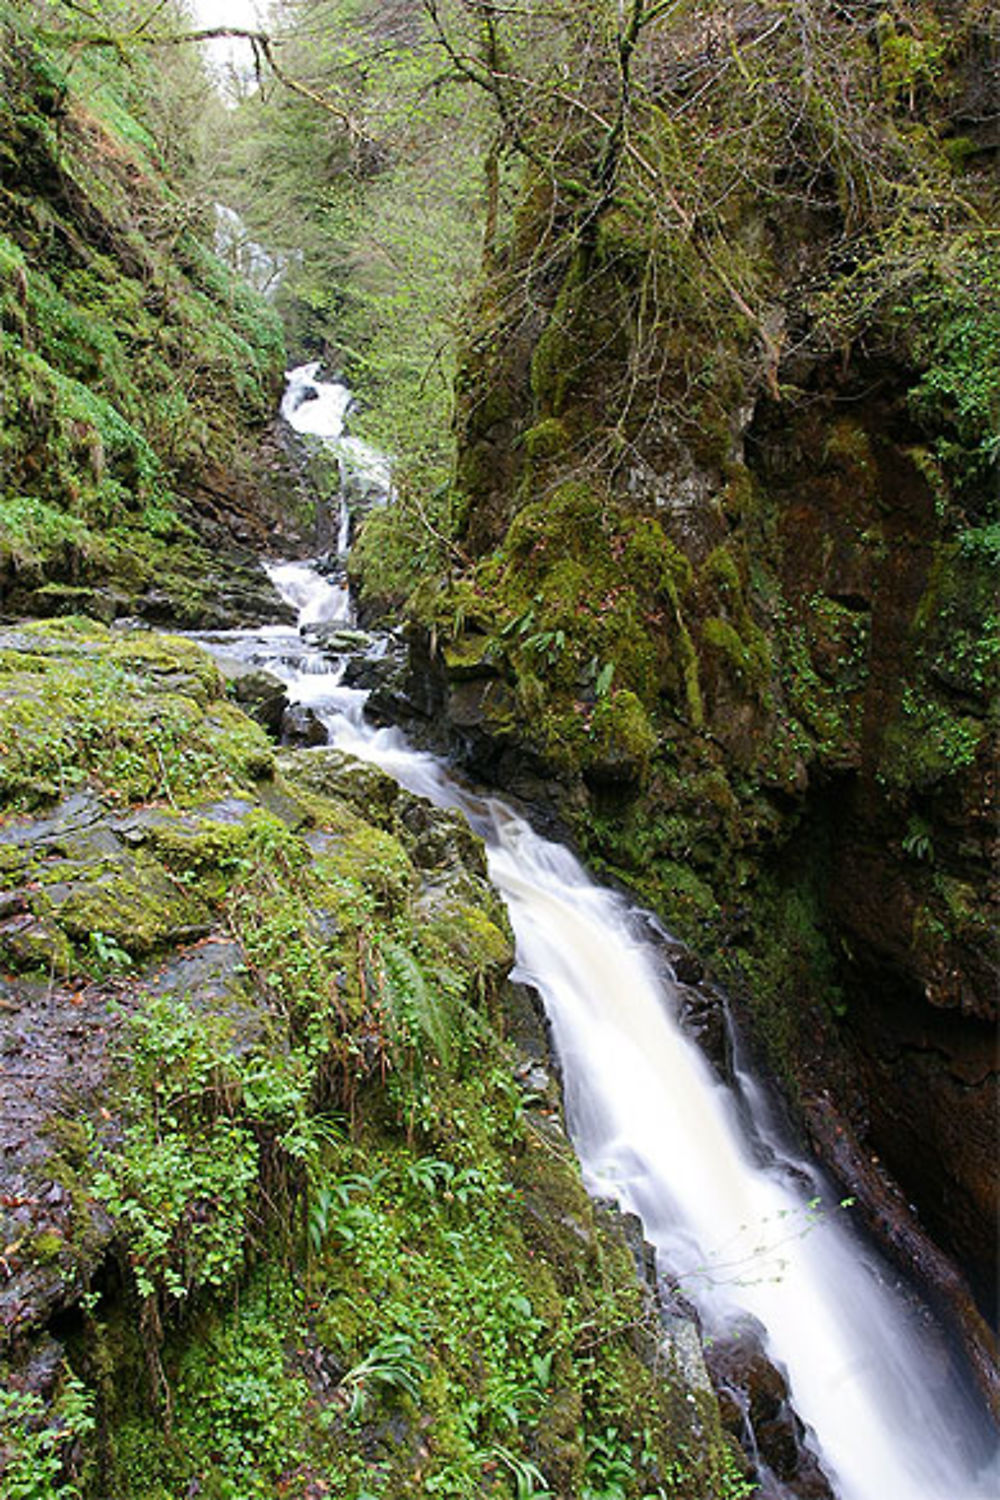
(723, 581)
(282, 1211)
(136, 372)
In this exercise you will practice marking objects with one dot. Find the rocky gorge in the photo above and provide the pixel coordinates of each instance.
(276, 1193)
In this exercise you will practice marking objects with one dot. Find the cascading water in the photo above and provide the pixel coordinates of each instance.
(731, 1214)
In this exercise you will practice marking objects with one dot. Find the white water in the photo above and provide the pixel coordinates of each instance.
(319, 409)
(264, 269)
(653, 1126)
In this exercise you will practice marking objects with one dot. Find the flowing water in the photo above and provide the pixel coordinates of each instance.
(733, 1215)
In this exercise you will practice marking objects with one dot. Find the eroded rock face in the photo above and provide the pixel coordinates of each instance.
(910, 888)
(757, 1411)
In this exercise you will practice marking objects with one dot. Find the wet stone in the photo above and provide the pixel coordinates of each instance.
(262, 696)
(757, 1402)
(336, 638)
(302, 727)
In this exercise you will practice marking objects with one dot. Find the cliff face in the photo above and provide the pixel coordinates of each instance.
(728, 601)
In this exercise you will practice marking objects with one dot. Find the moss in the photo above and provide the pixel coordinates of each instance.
(688, 657)
(546, 440)
(468, 655)
(37, 947)
(847, 443)
(131, 353)
(375, 859)
(570, 516)
(134, 906)
(929, 741)
(555, 354)
(46, 1247)
(138, 715)
(621, 734)
(468, 933)
(721, 572)
(749, 659)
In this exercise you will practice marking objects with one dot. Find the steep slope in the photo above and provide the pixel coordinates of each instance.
(138, 373)
(277, 1215)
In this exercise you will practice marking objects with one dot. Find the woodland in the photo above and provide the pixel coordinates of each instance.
(679, 321)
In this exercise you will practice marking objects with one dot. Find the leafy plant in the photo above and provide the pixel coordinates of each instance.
(917, 841)
(392, 1364)
(107, 954)
(529, 1481)
(34, 1444)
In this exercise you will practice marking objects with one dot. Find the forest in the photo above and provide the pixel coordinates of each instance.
(676, 324)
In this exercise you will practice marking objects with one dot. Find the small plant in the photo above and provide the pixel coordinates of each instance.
(33, 1450)
(610, 1472)
(529, 1481)
(392, 1364)
(333, 1212)
(917, 841)
(106, 954)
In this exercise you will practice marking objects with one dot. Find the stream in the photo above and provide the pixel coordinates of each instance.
(743, 1224)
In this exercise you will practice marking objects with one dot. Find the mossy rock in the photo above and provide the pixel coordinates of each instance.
(622, 740)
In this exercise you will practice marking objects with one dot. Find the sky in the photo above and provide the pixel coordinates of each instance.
(245, 13)
(224, 12)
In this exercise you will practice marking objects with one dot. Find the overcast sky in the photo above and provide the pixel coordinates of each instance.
(245, 13)
(224, 12)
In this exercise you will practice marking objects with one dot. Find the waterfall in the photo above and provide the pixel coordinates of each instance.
(740, 1221)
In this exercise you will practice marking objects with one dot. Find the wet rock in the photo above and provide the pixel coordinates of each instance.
(702, 1013)
(894, 1225)
(55, 1044)
(27, 944)
(67, 599)
(757, 1410)
(686, 965)
(283, 804)
(701, 1007)
(381, 666)
(262, 696)
(435, 838)
(302, 726)
(240, 596)
(337, 638)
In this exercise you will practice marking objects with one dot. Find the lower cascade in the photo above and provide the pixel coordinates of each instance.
(745, 1229)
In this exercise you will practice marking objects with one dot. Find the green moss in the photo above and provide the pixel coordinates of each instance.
(138, 715)
(46, 1247)
(848, 444)
(749, 659)
(688, 658)
(546, 440)
(39, 948)
(555, 354)
(468, 933)
(721, 571)
(128, 353)
(928, 741)
(131, 906)
(650, 560)
(468, 655)
(621, 733)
